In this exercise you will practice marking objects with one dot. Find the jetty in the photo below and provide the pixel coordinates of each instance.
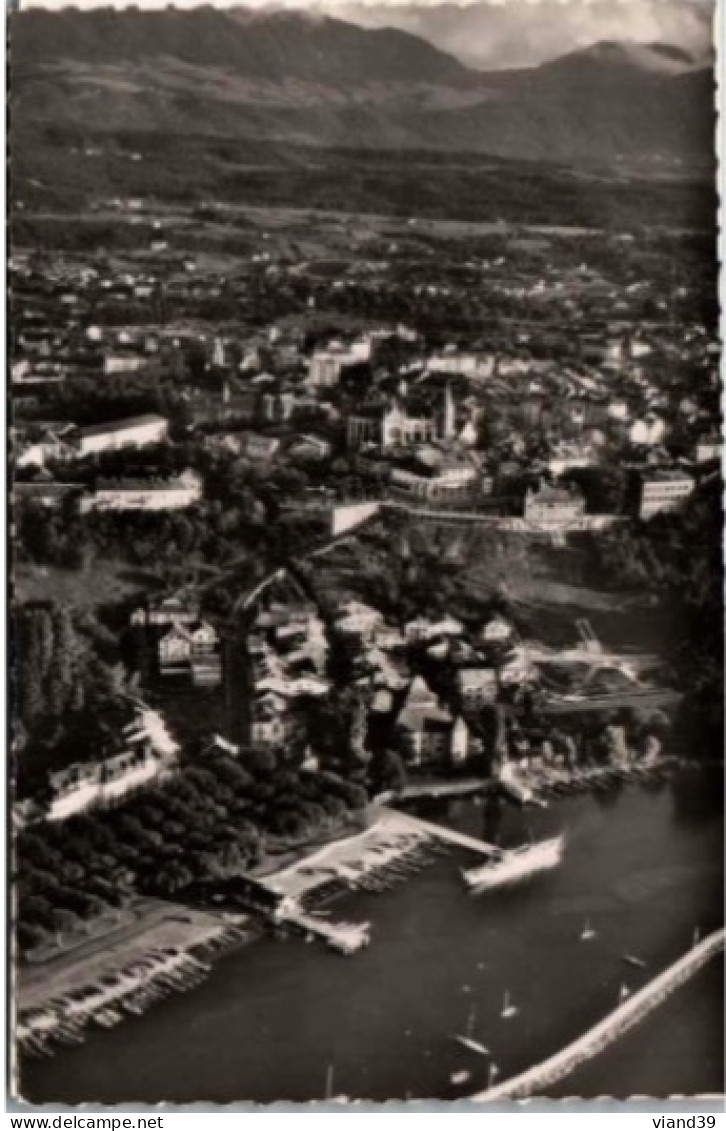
(628, 1013)
(347, 938)
(451, 836)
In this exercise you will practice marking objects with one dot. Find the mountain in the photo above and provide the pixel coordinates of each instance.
(270, 46)
(490, 35)
(213, 92)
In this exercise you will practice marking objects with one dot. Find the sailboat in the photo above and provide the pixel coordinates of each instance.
(508, 1009)
(467, 1040)
(588, 932)
(624, 992)
(493, 1073)
(696, 936)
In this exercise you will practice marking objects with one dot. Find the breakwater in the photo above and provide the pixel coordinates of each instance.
(534, 1080)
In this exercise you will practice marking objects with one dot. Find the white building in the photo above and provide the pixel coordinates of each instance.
(358, 619)
(123, 363)
(134, 432)
(648, 432)
(663, 491)
(185, 490)
(477, 686)
(148, 753)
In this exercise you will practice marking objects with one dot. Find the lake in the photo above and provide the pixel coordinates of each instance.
(643, 863)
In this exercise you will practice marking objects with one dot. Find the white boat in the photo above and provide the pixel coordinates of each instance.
(493, 1073)
(633, 960)
(516, 864)
(460, 1077)
(467, 1040)
(587, 932)
(508, 1009)
(624, 992)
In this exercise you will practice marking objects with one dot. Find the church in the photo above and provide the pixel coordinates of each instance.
(391, 425)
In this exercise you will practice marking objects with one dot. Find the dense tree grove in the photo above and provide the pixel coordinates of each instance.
(214, 818)
(678, 557)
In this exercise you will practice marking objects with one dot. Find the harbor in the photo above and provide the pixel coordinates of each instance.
(642, 867)
(61, 1001)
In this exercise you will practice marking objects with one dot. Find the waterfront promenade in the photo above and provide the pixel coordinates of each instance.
(535, 1080)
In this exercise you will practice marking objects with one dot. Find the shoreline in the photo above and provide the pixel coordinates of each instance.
(56, 1000)
(173, 953)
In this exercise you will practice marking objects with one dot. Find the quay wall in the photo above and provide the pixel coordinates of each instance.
(347, 516)
(605, 1032)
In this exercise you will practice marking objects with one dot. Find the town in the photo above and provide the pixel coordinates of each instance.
(314, 513)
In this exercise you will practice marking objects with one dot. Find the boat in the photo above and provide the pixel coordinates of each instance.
(493, 1073)
(624, 992)
(467, 1039)
(587, 932)
(508, 1008)
(516, 864)
(633, 960)
(696, 936)
(460, 1077)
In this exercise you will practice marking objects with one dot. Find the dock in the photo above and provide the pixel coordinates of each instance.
(451, 836)
(347, 938)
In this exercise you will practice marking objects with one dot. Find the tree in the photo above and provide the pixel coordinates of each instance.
(387, 771)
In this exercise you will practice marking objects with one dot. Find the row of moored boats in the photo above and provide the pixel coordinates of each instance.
(131, 990)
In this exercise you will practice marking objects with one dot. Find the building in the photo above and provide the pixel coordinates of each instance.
(134, 432)
(496, 631)
(708, 448)
(478, 686)
(310, 447)
(398, 425)
(553, 506)
(147, 753)
(123, 363)
(663, 491)
(180, 644)
(182, 491)
(45, 442)
(271, 721)
(453, 478)
(422, 629)
(429, 731)
(475, 366)
(647, 432)
(166, 611)
(256, 446)
(358, 619)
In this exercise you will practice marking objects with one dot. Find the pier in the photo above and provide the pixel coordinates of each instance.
(451, 836)
(605, 1032)
(347, 938)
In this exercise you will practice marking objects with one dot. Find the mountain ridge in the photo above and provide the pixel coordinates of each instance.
(291, 79)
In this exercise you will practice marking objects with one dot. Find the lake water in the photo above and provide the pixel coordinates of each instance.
(644, 864)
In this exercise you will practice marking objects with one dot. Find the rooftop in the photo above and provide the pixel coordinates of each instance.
(122, 425)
